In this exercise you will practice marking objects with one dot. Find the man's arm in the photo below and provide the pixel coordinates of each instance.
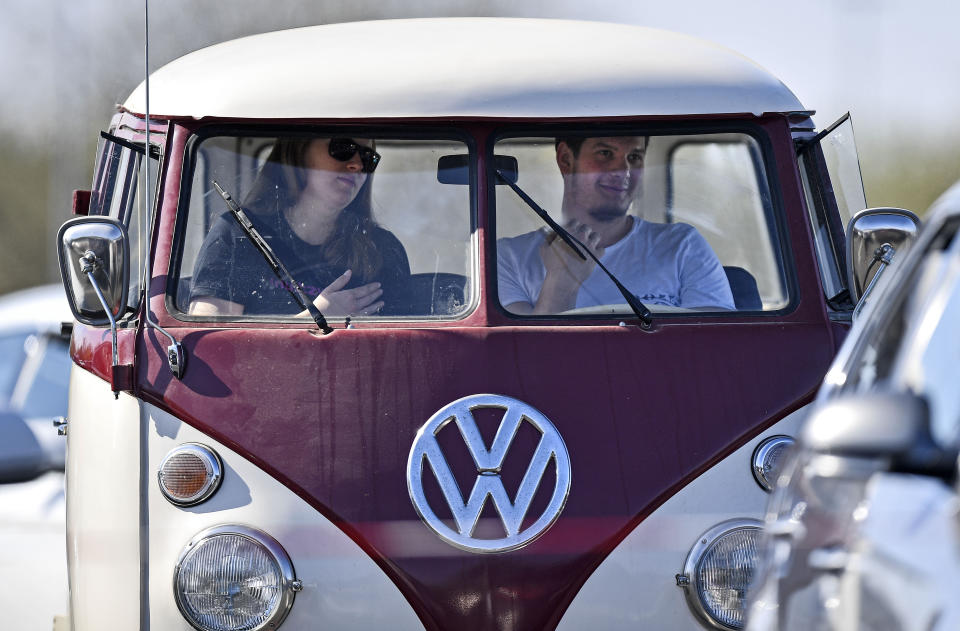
(703, 283)
(211, 306)
(557, 294)
(564, 274)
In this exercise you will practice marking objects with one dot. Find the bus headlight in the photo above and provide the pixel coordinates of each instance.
(718, 571)
(234, 578)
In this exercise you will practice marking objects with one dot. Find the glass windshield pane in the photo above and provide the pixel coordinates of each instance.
(363, 225)
(685, 222)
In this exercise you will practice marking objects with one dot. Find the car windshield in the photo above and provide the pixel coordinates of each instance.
(364, 226)
(685, 222)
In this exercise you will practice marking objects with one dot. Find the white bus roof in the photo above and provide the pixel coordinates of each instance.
(462, 67)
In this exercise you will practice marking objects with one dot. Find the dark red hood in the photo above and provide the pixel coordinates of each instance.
(334, 418)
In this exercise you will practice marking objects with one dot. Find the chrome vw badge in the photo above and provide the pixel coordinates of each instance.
(488, 461)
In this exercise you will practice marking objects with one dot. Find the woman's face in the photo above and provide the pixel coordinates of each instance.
(330, 182)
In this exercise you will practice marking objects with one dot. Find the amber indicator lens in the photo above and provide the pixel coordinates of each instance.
(190, 474)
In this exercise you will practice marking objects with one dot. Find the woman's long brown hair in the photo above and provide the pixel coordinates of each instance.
(279, 185)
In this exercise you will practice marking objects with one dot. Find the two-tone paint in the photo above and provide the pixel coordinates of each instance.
(315, 431)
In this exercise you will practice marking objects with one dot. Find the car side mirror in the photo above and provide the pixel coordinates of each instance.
(94, 255)
(866, 425)
(22, 458)
(893, 426)
(874, 236)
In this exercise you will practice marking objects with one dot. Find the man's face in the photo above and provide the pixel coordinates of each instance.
(603, 179)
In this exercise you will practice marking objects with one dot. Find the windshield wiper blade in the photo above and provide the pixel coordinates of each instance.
(641, 311)
(275, 264)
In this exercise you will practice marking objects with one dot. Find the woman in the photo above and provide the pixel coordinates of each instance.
(311, 202)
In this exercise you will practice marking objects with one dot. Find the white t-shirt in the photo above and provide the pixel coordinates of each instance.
(665, 264)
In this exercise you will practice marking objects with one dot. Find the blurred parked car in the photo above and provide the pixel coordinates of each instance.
(862, 532)
(34, 375)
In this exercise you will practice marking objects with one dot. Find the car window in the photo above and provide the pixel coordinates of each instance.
(833, 188)
(45, 394)
(117, 193)
(383, 241)
(688, 220)
(11, 349)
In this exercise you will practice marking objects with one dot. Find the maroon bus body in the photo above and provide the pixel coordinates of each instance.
(333, 417)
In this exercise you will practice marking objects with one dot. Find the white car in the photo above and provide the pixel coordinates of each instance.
(34, 375)
(862, 531)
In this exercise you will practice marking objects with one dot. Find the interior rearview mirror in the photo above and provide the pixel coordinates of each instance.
(94, 249)
(874, 236)
(455, 169)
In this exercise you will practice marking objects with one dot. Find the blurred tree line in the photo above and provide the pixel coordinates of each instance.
(66, 64)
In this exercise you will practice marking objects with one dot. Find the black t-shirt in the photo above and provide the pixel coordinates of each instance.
(230, 267)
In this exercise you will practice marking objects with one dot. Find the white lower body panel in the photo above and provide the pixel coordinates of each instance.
(635, 587)
(342, 587)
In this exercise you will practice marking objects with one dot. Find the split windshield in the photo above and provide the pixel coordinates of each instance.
(381, 228)
(684, 222)
(364, 227)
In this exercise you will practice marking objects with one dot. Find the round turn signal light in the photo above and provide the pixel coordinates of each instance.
(190, 474)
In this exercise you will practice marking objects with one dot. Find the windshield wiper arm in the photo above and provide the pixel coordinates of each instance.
(275, 264)
(641, 311)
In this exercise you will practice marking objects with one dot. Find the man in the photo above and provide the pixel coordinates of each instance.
(667, 264)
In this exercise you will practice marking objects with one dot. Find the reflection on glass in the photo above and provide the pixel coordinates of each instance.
(684, 222)
(840, 152)
(363, 225)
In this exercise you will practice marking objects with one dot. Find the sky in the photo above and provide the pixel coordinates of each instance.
(893, 64)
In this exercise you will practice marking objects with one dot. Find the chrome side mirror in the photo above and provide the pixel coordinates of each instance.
(94, 255)
(873, 237)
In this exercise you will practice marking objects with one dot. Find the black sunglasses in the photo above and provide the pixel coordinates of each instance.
(343, 149)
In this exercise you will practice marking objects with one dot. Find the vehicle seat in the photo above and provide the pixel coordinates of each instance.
(746, 295)
(430, 294)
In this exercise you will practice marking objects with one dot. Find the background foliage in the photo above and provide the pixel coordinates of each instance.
(65, 64)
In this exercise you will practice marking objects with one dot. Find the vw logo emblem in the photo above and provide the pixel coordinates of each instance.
(466, 513)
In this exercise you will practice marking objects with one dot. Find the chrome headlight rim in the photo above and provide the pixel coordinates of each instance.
(704, 543)
(211, 461)
(760, 454)
(291, 585)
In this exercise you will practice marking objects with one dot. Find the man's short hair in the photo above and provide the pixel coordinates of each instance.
(576, 142)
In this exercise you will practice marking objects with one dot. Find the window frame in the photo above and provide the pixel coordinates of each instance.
(823, 212)
(417, 132)
(123, 193)
(775, 214)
